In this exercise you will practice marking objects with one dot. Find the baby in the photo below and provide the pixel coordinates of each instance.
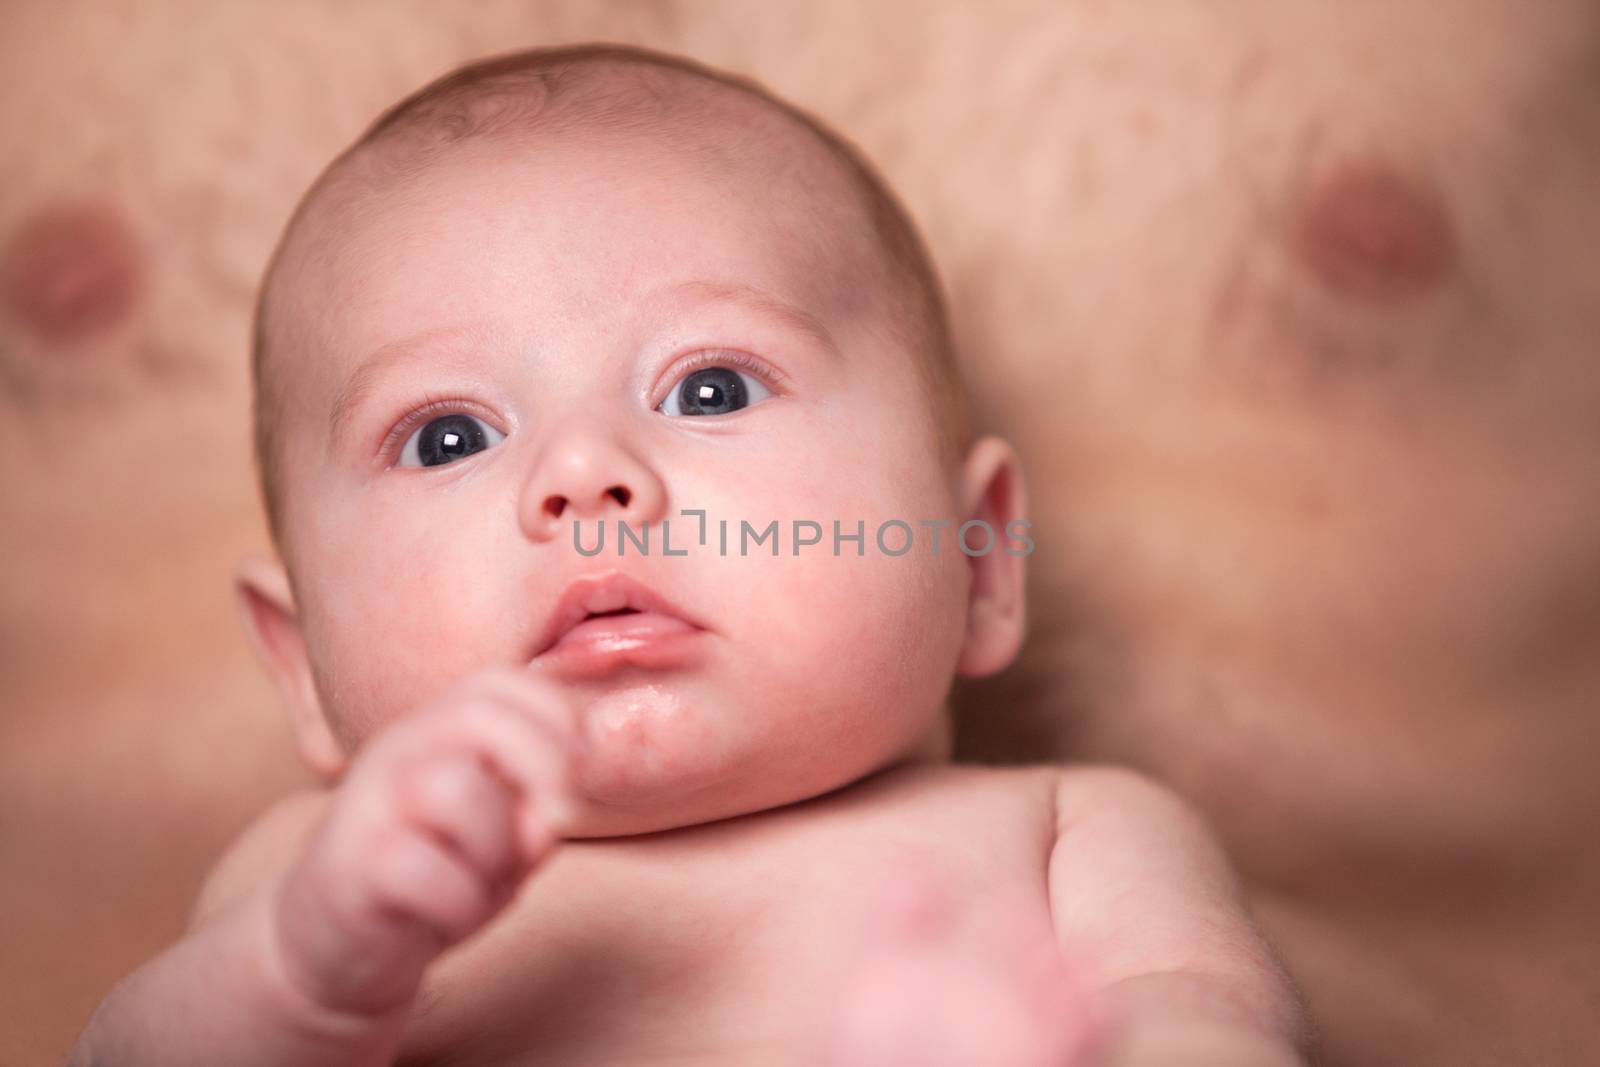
(632, 535)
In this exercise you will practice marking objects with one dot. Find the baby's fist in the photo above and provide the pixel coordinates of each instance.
(439, 819)
(936, 985)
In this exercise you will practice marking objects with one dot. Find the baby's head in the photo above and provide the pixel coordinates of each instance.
(589, 284)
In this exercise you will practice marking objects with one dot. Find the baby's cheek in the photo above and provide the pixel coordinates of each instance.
(399, 628)
(875, 634)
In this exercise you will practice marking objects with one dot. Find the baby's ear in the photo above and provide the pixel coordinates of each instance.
(267, 603)
(993, 492)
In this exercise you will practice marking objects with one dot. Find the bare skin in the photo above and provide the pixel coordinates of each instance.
(1415, 832)
(1324, 524)
(316, 939)
(583, 322)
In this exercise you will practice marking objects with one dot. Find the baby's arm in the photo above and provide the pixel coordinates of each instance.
(429, 835)
(1141, 892)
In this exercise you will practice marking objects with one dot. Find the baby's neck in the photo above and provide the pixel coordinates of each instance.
(938, 744)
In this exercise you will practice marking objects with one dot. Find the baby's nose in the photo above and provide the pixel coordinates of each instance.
(556, 504)
(587, 477)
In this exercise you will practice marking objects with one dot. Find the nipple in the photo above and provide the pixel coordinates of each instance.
(70, 271)
(1370, 233)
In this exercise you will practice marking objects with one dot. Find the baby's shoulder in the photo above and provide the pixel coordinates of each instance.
(261, 851)
(1121, 801)
(1110, 819)
(1074, 795)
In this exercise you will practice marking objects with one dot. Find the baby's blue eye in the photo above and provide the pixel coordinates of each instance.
(447, 438)
(713, 391)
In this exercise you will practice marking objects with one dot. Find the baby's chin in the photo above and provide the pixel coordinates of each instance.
(660, 759)
(644, 740)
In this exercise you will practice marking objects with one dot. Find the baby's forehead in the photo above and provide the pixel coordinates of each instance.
(741, 190)
(615, 96)
(808, 200)
(725, 126)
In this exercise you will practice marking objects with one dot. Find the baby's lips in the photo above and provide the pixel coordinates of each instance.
(589, 598)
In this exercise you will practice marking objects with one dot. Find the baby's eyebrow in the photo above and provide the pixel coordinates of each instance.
(763, 302)
(361, 380)
(445, 340)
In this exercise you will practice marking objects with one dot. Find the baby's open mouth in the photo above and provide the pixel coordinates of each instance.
(624, 626)
(602, 622)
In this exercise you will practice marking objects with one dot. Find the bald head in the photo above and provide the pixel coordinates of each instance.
(590, 90)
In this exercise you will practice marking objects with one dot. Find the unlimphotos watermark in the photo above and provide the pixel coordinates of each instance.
(891, 537)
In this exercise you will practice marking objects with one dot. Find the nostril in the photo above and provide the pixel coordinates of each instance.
(555, 505)
(620, 494)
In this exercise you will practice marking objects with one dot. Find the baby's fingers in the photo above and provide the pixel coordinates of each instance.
(535, 770)
(467, 806)
(1013, 929)
(539, 700)
(542, 768)
(416, 878)
(938, 984)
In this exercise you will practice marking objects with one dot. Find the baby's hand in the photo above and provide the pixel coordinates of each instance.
(935, 988)
(439, 819)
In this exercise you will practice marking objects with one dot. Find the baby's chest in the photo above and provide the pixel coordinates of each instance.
(727, 948)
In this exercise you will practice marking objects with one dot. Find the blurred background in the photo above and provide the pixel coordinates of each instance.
(1291, 307)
